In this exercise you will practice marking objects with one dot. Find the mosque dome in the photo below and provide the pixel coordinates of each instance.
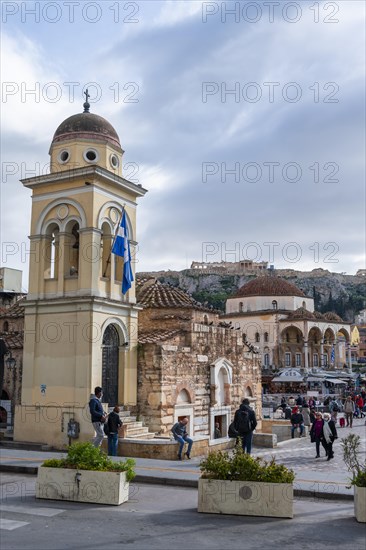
(269, 286)
(86, 126)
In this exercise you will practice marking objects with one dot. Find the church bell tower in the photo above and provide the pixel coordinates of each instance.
(80, 330)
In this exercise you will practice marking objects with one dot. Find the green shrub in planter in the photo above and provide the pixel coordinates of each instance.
(351, 452)
(84, 456)
(240, 466)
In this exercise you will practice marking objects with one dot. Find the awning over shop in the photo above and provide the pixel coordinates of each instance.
(288, 379)
(336, 381)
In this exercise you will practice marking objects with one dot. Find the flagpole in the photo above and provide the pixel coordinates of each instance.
(114, 240)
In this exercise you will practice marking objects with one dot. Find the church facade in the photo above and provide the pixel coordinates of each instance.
(79, 330)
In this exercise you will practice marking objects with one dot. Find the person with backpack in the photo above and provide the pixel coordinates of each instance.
(334, 410)
(245, 423)
(113, 424)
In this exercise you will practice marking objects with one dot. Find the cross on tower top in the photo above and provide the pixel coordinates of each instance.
(86, 104)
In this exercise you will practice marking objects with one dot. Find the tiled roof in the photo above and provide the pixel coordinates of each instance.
(331, 316)
(269, 285)
(155, 336)
(13, 340)
(301, 313)
(15, 311)
(318, 315)
(152, 293)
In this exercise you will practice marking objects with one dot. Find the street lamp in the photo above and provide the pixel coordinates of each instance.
(11, 364)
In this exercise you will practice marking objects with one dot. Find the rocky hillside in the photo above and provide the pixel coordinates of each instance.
(344, 294)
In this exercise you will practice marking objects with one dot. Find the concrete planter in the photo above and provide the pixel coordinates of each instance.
(245, 498)
(360, 504)
(82, 485)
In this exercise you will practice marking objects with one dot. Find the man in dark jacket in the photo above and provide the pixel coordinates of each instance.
(179, 431)
(297, 421)
(245, 422)
(98, 416)
(114, 423)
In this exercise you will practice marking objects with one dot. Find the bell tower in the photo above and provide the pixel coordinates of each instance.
(80, 331)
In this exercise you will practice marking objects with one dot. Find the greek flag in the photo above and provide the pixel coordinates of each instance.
(121, 247)
(332, 356)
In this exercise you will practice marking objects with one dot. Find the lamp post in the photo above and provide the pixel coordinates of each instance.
(11, 365)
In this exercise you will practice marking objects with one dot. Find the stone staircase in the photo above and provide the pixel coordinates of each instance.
(133, 429)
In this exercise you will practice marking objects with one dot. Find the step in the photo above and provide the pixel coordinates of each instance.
(142, 437)
(136, 431)
(132, 425)
(24, 445)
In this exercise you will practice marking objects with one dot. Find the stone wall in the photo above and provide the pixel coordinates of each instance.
(184, 363)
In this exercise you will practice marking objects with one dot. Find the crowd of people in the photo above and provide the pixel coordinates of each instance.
(304, 411)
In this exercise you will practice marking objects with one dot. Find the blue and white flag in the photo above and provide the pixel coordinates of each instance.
(332, 356)
(121, 247)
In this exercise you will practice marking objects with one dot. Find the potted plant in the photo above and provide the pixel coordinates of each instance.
(87, 474)
(239, 484)
(351, 453)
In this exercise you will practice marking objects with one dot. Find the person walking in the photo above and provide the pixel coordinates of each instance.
(330, 434)
(245, 422)
(306, 415)
(349, 409)
(179, 431)
(98, 416)
(316, 434)
(334, 410)
(360, 404)
(114, 423)
(297, 421)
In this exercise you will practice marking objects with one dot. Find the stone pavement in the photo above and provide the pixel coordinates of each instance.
(316, 478)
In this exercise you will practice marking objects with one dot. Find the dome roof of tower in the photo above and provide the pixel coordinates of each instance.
(269, 286)
(86, 126)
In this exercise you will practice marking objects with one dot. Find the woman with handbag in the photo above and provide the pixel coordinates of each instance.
(317, 435)
(329, 433)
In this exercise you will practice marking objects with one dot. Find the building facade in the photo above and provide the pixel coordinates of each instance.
(277, 318)
(80, 331)
(190, 364)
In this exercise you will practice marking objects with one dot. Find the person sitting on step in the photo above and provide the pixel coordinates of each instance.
(179, 432)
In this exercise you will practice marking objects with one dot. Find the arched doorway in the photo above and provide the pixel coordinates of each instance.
(110, 365)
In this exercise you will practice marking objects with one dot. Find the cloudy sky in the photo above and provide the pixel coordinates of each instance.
(244, 120)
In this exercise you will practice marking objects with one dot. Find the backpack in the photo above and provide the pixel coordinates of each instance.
(243, 422)
(335, 407)
(106, 428)
(233, 432)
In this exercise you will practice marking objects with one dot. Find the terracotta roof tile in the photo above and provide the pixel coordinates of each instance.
(154, 294)
(269, 285)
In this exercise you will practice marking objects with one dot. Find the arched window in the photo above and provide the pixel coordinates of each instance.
(274, 304)
(6, 326)
(205, 320)
(183, 397)
(304, 305)
(51, 252)
(71, 252)
(241, 306)
(266, 336)
(244, 337)
(257, 337)
(266, 359)
(106, 243)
